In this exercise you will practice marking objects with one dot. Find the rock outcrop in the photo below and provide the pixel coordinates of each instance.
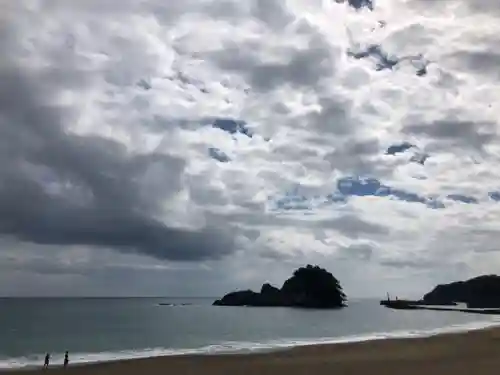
(479, 292)
(309, 287)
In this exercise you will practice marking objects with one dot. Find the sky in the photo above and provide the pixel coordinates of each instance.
(164, 148)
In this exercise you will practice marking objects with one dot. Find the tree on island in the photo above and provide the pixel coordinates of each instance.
(318, 287)
(309, 287)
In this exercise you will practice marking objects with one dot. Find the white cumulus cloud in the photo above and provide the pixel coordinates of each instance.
(111, 163)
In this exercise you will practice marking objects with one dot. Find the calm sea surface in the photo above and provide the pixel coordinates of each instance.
(106, 329)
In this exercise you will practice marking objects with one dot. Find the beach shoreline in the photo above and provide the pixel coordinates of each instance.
(233, 348)
(461, 352)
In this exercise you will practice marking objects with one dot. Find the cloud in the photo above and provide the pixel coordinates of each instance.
(482, 6)
(355, 156)
(111, 116)
(354, 227)
(464, 134)
(63, 188)
(362, 251)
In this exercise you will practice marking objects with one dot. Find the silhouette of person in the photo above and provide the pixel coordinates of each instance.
(47, 361)
(66, 359)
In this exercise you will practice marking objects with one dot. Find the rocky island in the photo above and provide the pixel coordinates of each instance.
(478, 292)
(309, 287)
(481, 295)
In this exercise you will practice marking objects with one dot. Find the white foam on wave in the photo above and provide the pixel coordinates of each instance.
(236, 347)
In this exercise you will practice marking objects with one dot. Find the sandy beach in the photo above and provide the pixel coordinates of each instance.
(476, 352)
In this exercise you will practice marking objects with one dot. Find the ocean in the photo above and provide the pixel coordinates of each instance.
(102, 329)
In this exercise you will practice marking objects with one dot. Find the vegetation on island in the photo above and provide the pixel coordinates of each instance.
(309, 287)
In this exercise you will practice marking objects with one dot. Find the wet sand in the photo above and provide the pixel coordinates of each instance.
(476, 352)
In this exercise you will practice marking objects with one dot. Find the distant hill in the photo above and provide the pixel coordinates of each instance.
(479, 292)
(309, 287)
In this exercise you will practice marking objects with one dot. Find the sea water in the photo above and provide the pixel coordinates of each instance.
(102, 329)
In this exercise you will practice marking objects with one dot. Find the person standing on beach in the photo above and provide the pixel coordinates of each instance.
(47, 361)
(66, 359)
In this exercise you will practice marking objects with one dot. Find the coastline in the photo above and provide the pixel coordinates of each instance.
(461, 352)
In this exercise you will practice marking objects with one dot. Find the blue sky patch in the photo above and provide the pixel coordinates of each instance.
(218, 155)
(232, 126)
(462, 198)
(398, 148)
(494, 195)
(363, 187)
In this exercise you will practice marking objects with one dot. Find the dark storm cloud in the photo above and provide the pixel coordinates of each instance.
(480, 62)
(361, 251)
(355, 156)
(468, 134)
(274, 13)
(57, 187)
(408, 263)
(486, 6)
(354, 227)
(482, 6)
(303, 68)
